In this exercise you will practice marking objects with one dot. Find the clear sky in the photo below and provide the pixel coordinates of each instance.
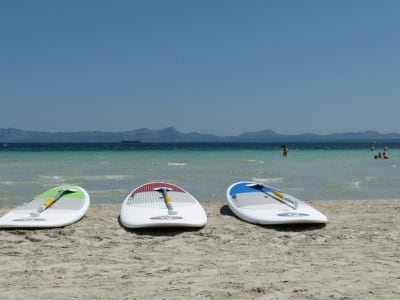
(213, 66)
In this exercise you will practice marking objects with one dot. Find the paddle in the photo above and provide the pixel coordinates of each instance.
(51, 201)
(167, 199)
(279, 196)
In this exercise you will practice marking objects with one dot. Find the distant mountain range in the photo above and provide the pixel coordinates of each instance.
(170, 134)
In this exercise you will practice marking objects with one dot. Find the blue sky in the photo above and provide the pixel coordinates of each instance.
(212, 66)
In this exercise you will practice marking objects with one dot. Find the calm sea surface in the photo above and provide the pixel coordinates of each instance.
(311, 171)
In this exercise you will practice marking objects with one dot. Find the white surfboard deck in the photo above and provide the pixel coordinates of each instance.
(68, 209)
(146, 207)
(261, 204)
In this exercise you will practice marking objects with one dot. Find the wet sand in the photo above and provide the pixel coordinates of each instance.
(355, 256)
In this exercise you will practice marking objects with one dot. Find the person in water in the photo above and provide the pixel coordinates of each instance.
(285, 150)
(381, 155)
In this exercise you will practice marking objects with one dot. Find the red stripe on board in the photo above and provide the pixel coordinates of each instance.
(153, 185)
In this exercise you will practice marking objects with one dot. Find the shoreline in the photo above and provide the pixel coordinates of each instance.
(354, 256)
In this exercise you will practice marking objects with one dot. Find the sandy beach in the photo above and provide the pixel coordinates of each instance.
(355, 256)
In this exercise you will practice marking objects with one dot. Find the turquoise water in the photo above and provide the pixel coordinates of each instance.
(110, 173)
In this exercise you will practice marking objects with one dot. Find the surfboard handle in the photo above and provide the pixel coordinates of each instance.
(51, 201)
(45, 205)
(167, 199)
(282, 196)
(275, 195)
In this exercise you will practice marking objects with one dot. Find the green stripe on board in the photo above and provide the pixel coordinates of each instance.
(51, 193)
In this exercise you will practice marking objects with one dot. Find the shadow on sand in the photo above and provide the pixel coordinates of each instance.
(226, 211)
(159, 231)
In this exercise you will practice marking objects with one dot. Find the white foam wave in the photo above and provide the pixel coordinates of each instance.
(255, 161)
(53, 179)
(104, 177)
(269, 180)
(106, 192)
(63, 179)
(177, 163)
(8, 182)
(354, 184)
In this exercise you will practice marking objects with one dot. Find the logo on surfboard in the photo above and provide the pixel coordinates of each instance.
(29, 220)
(169, 217)
(292, 214)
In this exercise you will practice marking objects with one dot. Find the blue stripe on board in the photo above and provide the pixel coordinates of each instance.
(243, 188)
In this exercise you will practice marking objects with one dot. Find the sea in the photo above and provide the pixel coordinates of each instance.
(109, 171)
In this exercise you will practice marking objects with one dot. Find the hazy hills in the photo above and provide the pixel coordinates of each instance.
(170, 134)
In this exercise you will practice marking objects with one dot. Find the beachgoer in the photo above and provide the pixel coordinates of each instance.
(285, 150)
(385, 149)
(372, 147)
(385, 156)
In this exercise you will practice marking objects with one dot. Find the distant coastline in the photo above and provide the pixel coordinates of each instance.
(171, 135)
(130, 142)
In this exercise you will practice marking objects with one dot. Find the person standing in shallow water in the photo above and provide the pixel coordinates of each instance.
(285, 150)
